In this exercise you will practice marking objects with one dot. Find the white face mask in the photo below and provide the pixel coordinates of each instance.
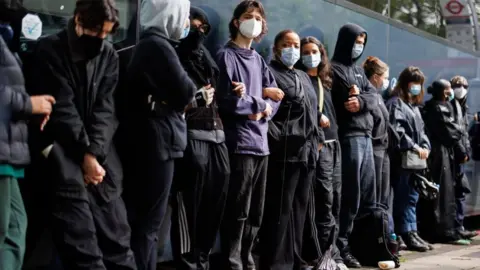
(385, 84)
(357, 50)
(460, 92)
(251, 28)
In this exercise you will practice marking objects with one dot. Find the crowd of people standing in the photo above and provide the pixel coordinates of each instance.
(281, 158)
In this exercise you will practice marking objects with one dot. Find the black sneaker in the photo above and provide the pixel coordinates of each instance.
(467, 234)
(430, 246)
(401, 244)
(413, 243)
(350, 261)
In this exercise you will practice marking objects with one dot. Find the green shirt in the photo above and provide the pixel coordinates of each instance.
(9, 170)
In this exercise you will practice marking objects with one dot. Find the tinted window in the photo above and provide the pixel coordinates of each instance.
(56, 13)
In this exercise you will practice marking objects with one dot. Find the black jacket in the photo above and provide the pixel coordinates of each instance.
(460, 115)
(83, 118)
(15, 107)
(331, 133)
(293, 131)
(346, 74)
(155, 70)
(408, 125)
(380, 125)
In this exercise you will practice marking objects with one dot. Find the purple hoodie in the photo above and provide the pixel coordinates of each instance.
(244, 136)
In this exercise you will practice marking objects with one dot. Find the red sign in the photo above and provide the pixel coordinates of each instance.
(454, 7)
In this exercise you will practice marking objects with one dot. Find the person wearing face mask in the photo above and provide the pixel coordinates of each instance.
(354, 99)
(328, 184)
(408, 125)
(460, 109)
(80, 69)
(293, 138)
(160, 89)
(378, 73)
(16, 108)
(201, 177)
(247, 97)
(446, 136)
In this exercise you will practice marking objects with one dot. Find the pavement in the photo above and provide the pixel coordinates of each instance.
(445, 257)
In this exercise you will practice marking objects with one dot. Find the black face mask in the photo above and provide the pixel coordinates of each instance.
(194, 39)
(91, 45)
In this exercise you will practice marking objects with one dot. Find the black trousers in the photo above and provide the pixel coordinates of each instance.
(287, 196)
(199, 195)
(382, 177)
(147, 202)
(244, 210)
(328, 196)
(89, 225)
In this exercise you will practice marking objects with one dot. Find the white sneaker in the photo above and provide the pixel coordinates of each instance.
(341, 266)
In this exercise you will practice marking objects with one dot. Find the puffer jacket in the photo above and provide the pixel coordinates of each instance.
(15, 108)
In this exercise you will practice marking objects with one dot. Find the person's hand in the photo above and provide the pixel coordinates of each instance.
(320, 146)
(475, 117)
(44, 122)
(466, 159)
(256, 117)
(354, 91)
(203, 97)
(42, 104)
(352, 105)
(239, 88)
(423, 153)
(268, 111)
(93, 172)
(324, 122)
(273, 93)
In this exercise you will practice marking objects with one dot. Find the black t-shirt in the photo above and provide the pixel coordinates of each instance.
(331, 133)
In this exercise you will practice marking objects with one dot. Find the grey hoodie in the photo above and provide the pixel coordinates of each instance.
(166, 16)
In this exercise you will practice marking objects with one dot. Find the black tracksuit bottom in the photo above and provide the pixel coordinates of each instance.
(244, 210)
(287, 198)
(382, 177)
(89, 226)
(199, 195)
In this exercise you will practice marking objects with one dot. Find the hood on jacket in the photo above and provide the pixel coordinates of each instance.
(345, 41)
(165, 16)
(199, 14)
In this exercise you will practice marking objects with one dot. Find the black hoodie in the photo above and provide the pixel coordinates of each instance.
(346, 74)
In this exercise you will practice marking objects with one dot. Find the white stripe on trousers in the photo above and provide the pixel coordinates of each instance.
(185, 242)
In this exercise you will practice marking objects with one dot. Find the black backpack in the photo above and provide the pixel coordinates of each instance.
(369, 241)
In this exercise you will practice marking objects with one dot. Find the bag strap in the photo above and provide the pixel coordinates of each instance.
(320, 94)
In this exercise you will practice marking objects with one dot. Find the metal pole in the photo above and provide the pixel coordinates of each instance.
(471, 3)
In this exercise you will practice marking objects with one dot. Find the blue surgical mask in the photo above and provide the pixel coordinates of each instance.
(311, 60)
(385, 85)
(415, 89)
(357, 50)
(290, 56)
(450, 96)
(185, 32)
(6, 32)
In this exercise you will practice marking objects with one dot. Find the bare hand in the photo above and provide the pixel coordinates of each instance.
(423, 153)
(273, 93)
(324, 122)
(352, 105)
(42, 104)
(354, 91)
(44, 122)
(256, 117)
(320, 146)
(93, 172)
(239, 88)
(268, 111)
(465, 159)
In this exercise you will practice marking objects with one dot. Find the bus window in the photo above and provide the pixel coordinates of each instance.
(55, 14)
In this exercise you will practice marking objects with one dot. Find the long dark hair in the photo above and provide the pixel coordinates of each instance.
(324, 68)
(408, 75)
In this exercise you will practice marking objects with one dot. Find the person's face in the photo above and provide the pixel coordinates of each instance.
(360, 39)
(448, 92)
(290, 40)
(379, 79)
(252, 13)
(101, 32)
(310, 49)
(199, 25)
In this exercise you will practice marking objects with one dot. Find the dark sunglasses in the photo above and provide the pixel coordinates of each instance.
(460, 85)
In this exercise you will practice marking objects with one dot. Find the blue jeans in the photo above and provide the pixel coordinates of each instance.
(358, 184)
(404, 203)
